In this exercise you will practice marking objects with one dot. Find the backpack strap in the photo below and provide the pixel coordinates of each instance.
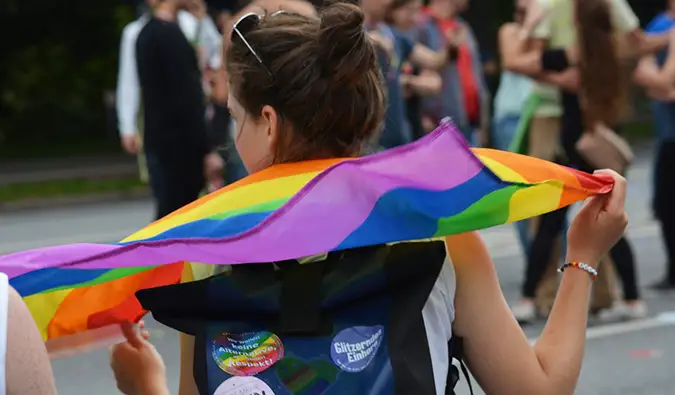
(300, 312)
(456, 350)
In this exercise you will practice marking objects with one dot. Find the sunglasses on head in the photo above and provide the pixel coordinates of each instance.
(245, 25)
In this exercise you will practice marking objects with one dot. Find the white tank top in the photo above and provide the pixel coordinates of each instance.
(4, 309)
(438, 314)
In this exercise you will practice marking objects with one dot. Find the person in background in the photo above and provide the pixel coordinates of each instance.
(656, 73)
(128, 97)
(556, 30)
(416, 82)
(597, 60)
(180, 155)
(222, 128)
(491, 71)
(514, 105)
(465, 96)
(394, 50)
(514, 90)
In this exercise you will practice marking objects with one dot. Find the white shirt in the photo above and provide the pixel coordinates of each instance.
(128, 87)
(438, 314)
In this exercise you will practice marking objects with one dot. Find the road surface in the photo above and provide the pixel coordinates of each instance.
(621, 359)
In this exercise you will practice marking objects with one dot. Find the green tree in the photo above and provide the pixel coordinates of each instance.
(58, 59)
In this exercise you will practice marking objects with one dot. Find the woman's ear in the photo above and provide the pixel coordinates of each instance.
(270, 121)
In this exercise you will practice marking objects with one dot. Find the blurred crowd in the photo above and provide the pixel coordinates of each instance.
(560, 97)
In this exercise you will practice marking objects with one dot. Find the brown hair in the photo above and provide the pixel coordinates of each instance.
(601, 88)
(326, 85)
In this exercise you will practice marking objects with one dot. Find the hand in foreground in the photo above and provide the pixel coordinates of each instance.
(138, 367)
(599, 224)
(132, 143)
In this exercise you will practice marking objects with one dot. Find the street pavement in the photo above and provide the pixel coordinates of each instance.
(629, 358)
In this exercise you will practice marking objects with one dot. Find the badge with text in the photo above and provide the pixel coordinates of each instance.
(247, 354)
(243, 386)
(353, 349)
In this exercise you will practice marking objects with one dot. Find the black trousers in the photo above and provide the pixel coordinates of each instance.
(665, 202)
(551, 226)
(175, 180)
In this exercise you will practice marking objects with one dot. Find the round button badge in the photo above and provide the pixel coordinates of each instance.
(247, 354)
(243, 386)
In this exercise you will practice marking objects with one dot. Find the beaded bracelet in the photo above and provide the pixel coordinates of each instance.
(582, 266)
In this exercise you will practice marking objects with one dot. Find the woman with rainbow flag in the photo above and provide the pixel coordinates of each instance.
(325, 63)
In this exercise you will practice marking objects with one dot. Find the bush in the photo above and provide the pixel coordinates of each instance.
(58, 60)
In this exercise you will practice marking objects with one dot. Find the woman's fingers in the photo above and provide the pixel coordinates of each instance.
(132, 335)
(617, 198)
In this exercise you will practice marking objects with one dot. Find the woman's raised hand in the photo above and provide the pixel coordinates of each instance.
(599, 224)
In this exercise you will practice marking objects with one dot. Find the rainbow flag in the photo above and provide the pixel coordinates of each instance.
(434, 187)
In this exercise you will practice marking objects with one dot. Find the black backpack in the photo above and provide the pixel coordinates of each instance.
(348, 324)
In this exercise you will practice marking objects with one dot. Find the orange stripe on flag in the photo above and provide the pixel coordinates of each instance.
(130, 309)
(532, 169)
(108, 303)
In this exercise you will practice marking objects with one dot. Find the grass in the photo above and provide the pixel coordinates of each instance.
(68, 188)
(10, 151)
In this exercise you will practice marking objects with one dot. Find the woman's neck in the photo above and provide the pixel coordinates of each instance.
(166, 11)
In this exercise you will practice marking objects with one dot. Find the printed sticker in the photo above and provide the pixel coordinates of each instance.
(243, 386)
(354, 348)
(247, 354)
(306, 377)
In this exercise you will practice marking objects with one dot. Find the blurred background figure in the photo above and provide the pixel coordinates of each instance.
(200, 31)
(509, 103)
(417, 83)
(180, 155)
(394, 50)
(514, 89)
(593, 23)
(657, 74)
(221, 126)
(465, 96)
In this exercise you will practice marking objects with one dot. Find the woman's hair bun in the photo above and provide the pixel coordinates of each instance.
(346, 52)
